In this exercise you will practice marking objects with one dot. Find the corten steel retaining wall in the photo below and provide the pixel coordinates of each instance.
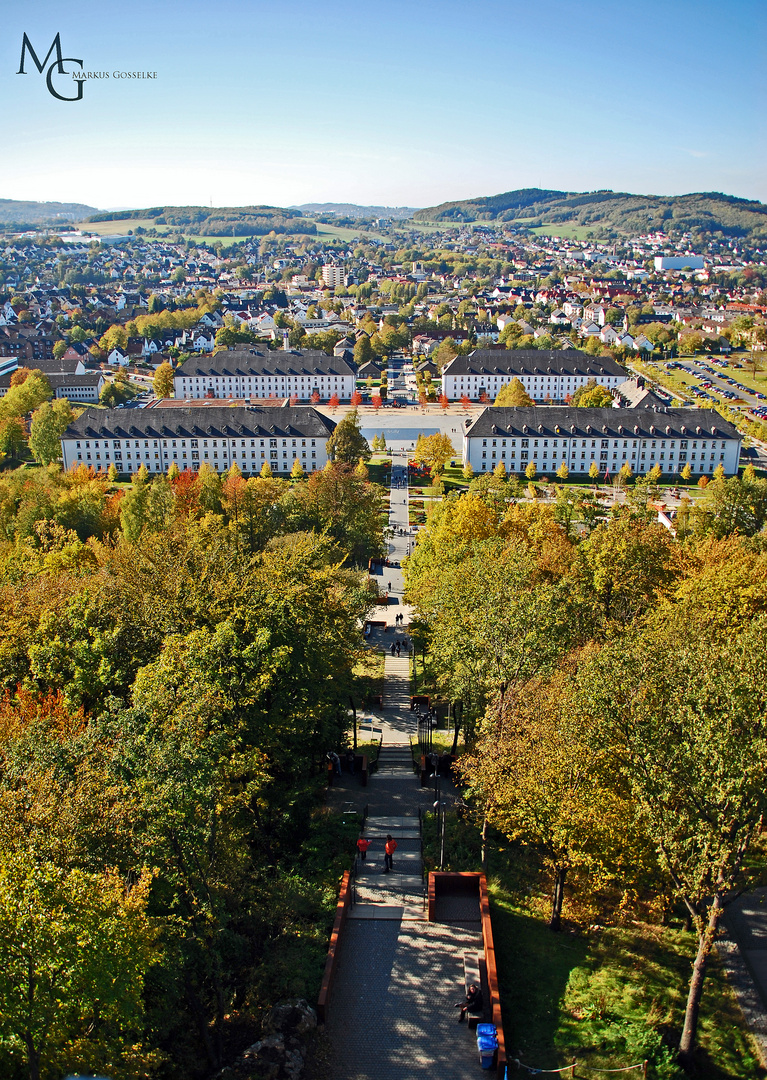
(344, 902)
(446, 882)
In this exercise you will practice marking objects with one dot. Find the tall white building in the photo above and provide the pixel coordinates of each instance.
(258, 373)
(547, 375)
(333, 275)
(609, 438)
(190, 436)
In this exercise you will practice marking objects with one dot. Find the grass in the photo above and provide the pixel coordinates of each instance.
(368, 678)
(568, 232)
(609, 996)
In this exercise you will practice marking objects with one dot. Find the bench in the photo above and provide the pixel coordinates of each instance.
(472, 973)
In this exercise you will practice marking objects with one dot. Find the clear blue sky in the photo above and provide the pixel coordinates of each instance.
(401, 103)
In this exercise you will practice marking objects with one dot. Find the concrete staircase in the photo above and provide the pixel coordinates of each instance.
(399, 893)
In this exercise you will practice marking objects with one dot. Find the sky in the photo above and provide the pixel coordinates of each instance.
(402, 103)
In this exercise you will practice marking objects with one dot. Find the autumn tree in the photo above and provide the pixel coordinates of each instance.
(513, 395)
(434, 451)
(163, 381)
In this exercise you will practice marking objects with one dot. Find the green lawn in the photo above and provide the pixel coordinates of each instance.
(569, 232)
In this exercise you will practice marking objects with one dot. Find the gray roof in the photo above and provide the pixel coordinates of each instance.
(532, 362)
(58, 379)
(552, 421)
(252, 361)
(201, 422)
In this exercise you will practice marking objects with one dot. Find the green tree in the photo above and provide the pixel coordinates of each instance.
(59, 348)
(513, 395)
(347, 444)
(531, 471)
(685, 715)
(563, 472)
(163, 381)
(49, 422)
(12, 436)
(61, 1002)
(297, 472)
(363, 351)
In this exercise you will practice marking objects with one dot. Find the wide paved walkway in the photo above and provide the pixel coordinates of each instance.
(391, 1016)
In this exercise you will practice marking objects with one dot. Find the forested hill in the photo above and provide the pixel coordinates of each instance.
(21, 212)
(354, 211)
(612, 212)
(218, 221)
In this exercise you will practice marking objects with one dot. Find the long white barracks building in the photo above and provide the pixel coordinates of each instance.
(609, 438)
(547, 375)
(216, 436)
(258, 373)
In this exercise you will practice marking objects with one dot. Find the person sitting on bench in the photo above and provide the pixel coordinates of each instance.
(471, 1003)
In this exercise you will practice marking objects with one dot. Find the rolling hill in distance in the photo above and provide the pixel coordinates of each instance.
(610, 213)
(601, 215)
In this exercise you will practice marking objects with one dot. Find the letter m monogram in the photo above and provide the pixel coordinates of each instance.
(59, 61)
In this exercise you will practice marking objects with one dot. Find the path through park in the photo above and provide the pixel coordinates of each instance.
(391, 1015)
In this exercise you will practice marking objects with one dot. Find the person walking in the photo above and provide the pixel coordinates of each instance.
(393, 649)
(399, 647)
(362, 846)
(389, 848)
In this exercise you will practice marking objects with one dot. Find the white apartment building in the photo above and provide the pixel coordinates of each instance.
(219, 436)
(258, 373)
(547, 375)
(333, 275)
(610, 438)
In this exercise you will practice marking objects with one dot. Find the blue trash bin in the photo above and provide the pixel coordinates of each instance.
(487, 1029)
(487, 1046)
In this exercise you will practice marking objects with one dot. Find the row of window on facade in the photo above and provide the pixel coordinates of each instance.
(605, 443)
(524, 455)
(116, 444)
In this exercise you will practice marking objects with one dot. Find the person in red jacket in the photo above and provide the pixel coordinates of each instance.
(390, 848)
(362, 847)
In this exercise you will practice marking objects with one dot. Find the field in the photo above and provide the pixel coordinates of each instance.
(567, 232)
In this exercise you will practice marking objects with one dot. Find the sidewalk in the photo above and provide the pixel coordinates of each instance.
(391, 1016)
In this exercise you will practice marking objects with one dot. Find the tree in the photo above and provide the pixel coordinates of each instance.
(468, 472)
(594, 471)
(625, 474)
(59, 348)
(363, 351)
(465, 401)
(376, 402)
(49, 422)
(315, 398)
(333, 403)
(382, 442)
(59, 1000)
(356, 399)
(563, 472)
(499, 472)
(541, 780)
(297, 472)
(433, 451)
(685, 717)
(347, 444)
(686, 472)
(592, 397)
(173, 472)
(266, 471)
(530, 471)
(112, 473)
(163, 381)
(444, 400)
(513, 395)
(12, 436)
